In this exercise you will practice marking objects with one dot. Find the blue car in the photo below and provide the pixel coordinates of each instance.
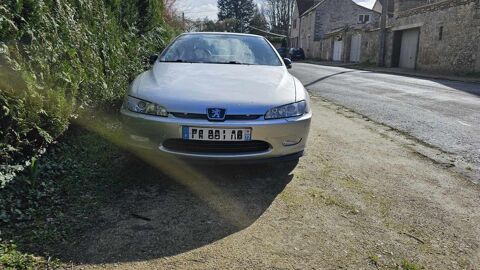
(283, 52)
(296, 54)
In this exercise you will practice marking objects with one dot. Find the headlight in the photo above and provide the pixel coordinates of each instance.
(145, 107)
(289, 110)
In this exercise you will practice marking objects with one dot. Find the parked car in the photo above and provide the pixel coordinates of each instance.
(218, 96)
(296, 54)
(283, 52)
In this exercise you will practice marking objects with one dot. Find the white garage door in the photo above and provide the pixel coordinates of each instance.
(337, 50)
(408, 49)
(355, 48)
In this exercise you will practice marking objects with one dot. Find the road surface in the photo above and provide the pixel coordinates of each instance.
(441, 113)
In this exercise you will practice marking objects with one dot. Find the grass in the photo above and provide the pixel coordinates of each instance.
(331, 201)
(407, 265)
(471, 74)
(11, 258)
(46, 209)
(366, 64)
(374, 259)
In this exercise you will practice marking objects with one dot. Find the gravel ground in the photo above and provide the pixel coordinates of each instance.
(441, 113)
(362, 198)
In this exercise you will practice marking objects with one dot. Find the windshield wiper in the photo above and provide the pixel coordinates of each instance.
(226, 63)
(205, 62)
(174, 61)
(238, 63)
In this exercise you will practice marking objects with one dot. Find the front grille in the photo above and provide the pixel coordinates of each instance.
(227, 117)
(242, 117)
(215, 147)
(190, 115)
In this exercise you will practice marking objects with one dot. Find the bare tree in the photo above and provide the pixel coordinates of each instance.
(279, 13)
(259, 20)
(169, 7)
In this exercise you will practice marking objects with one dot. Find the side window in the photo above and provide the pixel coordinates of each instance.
(360, 18)
(363, 18)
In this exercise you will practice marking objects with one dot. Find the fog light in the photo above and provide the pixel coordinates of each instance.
(139, 138)
(291, 142)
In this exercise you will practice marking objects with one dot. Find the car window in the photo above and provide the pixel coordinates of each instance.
(222, 49)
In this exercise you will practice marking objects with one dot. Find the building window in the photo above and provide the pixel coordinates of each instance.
(295, 24)
(440, 33)
(363, 18)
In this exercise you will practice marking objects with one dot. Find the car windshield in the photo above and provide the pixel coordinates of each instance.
(221, 49)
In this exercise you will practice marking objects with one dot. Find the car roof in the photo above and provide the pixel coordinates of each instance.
(220, 33)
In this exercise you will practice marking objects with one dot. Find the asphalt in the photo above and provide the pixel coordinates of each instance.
(441, 113)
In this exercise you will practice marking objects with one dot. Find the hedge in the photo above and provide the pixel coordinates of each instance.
(59, 57)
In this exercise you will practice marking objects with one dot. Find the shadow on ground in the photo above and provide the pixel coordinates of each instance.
(470, 88)
(147, 210)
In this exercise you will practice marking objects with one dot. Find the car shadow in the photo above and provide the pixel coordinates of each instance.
(175, 207)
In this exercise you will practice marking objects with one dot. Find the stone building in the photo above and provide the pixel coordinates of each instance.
(299, 8)
(438, 36)
(429, 35)
(330, 29)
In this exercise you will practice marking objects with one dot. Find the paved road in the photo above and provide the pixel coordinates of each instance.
(442, 113)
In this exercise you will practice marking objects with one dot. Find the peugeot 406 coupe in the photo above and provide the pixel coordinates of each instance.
(218, 96)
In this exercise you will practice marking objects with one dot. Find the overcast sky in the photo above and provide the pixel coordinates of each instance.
(208, 8)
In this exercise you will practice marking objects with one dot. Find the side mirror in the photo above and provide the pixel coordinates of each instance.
(287, 62)
(152, 59)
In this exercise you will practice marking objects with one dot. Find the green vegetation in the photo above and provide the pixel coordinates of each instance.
(367, 64)
(50, 204)
(239, 11)
(58, 58)
(11, 258)
(407, 265)
(374, 259)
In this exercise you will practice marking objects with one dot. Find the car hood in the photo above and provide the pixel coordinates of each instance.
(194, 87)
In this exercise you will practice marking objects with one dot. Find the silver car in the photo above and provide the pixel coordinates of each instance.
(218, 96)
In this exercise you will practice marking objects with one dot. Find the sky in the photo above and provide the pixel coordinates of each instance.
(208, 8)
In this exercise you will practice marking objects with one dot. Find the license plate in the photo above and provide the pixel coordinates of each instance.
(216, 134)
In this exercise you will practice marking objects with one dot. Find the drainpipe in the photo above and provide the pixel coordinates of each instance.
(383, 34)
(299, 30)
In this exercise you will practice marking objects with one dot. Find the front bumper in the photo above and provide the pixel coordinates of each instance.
(148, 132)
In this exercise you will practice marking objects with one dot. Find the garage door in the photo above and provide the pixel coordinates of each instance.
(355, 48)
(337, 50)
(408, 48)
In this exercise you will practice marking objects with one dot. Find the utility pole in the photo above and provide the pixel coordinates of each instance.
(383, 34)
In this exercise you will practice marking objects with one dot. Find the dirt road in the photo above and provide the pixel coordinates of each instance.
(362, 198)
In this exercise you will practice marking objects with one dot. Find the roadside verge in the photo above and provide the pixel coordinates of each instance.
(399, 71)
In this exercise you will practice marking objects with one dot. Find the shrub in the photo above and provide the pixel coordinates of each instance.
(59, 57)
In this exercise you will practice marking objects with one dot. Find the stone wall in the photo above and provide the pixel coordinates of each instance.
(449, 35)
(295, 31)
(370, 46)
(328, 16)
(432, 6)
(334, 14)
(402, 5)
(306, 34)
(389, 48)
